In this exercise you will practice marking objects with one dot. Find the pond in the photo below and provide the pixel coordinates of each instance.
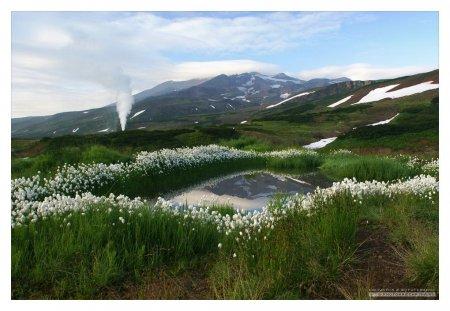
(248, 190)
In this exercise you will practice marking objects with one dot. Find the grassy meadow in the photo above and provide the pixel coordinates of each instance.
(104, 251)
(81, 230)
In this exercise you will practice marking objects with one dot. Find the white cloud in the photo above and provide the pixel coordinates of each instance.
(261, 33)
(41, 92)
(51, 37)
(360, 71)
(105, 51)
(44, 100)
(31, 61)
(190, 70)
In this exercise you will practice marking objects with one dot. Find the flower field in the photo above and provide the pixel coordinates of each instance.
(73, 237)
(70, 180)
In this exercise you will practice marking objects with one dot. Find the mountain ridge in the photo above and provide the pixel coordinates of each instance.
(222, 95)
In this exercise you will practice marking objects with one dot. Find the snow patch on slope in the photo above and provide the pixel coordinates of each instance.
(384, 122)
(241, 98)
(229, 105)
(137, 113)
(286, 100)
(340, 101)
(320, 144)
(277, 79)
(383, 92)
(75, 130)
(104, 130)
(250, 82)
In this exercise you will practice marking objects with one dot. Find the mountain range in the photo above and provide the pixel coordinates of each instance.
(222, 99)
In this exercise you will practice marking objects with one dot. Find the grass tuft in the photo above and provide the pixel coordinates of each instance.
(366, 168)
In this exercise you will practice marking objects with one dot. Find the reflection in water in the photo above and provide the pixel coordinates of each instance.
(247, 190)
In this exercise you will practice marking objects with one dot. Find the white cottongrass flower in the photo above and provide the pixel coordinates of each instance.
(70, 179)
(341, 152)
(69, 191)
(431, 167)
(242, 226)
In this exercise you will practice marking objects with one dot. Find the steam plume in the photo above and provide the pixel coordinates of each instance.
(123, 106)
(116, 81)
(112, 78)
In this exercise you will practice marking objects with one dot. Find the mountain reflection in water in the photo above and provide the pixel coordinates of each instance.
(248, 191)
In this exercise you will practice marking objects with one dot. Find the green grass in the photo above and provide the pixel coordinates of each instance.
(20, 145)
(421, 143)
(414, 131)
(154, 183)
(46, 155)
(310, 256)
(47, 162)
(51, 259)
(413, 226)
(97, 251)
(422, 261)
(207, 135)
(301, 258)
(248, 143)
(284, 134)
(303, 163)
(102, 154)
(366, 168)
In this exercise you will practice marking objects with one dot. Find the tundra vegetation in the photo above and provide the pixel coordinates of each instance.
(87, 220)
(84, 231)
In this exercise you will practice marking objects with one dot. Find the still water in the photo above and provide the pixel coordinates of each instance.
(248, 190)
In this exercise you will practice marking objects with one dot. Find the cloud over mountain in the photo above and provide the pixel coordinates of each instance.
(65, 60)
(362, 71)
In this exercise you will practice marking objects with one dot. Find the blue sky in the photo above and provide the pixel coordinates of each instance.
(77, 60)
(380, 39)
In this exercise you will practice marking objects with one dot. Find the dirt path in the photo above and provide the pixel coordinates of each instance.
(378, 267)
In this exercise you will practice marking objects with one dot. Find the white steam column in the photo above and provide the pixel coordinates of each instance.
(123, 106)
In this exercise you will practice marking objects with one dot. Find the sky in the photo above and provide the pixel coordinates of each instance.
(65, 61)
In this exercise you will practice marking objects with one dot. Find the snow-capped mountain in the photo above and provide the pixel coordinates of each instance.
(173, 100)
